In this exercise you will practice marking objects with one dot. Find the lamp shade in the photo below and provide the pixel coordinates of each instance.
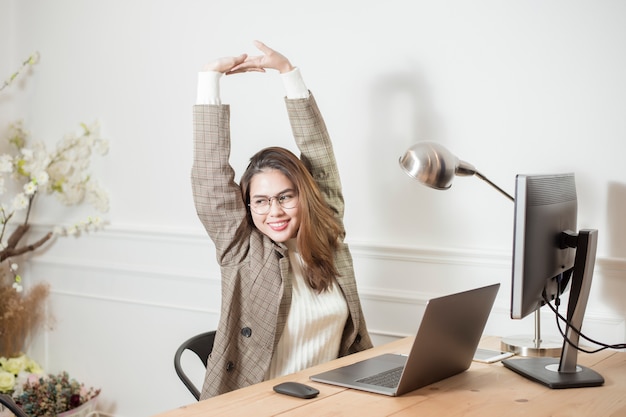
(433, 165)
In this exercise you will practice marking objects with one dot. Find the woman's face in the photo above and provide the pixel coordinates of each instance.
(280, 223)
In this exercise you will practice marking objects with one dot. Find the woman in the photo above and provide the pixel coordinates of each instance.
(289, 297)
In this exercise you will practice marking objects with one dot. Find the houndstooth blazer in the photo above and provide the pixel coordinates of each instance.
(256, 289)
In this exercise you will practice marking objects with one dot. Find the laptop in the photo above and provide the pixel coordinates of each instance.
(444, 346)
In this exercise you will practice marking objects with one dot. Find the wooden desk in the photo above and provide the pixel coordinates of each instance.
(483, 390)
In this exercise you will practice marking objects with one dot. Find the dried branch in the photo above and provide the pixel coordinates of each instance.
(12, 250)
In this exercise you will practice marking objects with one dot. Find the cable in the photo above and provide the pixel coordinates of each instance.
(562, 283)
(558, 315)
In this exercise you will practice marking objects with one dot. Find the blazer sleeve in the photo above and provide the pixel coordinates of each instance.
(313, 140)
(217, 197)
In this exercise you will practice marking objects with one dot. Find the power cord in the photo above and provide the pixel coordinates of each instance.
(557, 302)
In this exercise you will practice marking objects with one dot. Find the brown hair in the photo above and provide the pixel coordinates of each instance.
(319, 231)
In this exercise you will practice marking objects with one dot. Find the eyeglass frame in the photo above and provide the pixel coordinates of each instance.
(278, 200)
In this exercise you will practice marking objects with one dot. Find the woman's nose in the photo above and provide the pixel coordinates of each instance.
(275, 207)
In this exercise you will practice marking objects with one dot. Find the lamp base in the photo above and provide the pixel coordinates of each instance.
(527, 346)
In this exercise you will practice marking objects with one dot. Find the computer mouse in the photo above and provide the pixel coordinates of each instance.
(296, 389)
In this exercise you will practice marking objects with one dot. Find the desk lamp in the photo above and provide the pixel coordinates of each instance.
(434, 165)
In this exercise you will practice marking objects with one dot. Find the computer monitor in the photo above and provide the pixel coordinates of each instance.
(545, 206)
(547, 251)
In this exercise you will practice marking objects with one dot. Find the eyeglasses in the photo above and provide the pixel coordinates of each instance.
(262, 205)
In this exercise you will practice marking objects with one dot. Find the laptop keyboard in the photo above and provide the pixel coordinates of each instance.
(389, 378)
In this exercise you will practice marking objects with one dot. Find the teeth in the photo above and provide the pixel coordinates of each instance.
(278, 224)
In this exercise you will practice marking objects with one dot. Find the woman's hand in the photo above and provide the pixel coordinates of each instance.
(226, 64)
(270, 59)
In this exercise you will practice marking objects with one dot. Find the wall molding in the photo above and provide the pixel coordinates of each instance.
(371, 250)
(200, 272)
(133, 301)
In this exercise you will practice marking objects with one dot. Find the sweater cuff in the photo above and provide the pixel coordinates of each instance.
(209, 87)
(294, 84)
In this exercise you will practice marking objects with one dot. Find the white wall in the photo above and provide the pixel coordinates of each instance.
(512, 87)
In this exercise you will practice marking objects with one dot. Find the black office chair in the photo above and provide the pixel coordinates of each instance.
(7, 401)
(201, 345)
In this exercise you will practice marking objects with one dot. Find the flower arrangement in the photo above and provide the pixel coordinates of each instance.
(51, 395)
(28, 173)
(14, 372)
(39, 394)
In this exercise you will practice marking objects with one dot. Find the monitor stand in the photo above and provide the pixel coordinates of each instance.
(565, 372)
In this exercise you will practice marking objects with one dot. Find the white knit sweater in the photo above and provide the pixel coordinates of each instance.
(314, 326)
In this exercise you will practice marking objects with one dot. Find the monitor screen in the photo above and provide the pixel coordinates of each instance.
(545, 206)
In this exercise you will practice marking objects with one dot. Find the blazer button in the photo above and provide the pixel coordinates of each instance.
(357, 339)
(246, 332)
(230, 366)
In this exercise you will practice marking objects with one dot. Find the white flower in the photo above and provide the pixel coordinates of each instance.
(97, 197)
(62, 172)
(27, 154)
(20, 202)
(86, 225)
(71, 194)
(59, 169)
(41, 177)
(35, 160)
(30, 188)
(96, 221)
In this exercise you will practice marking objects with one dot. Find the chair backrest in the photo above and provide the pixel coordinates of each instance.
(201, 345)
(8, 402)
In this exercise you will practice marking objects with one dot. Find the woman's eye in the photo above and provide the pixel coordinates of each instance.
(260, 202)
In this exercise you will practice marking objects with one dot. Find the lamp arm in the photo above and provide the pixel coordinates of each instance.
(482, 177)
